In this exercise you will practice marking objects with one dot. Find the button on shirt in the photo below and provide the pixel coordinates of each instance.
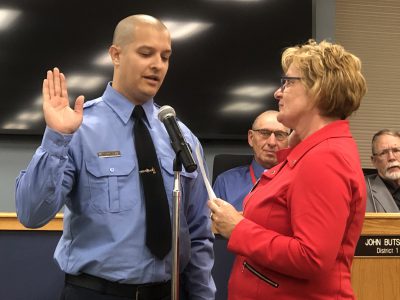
(233, 185)
(94, 172)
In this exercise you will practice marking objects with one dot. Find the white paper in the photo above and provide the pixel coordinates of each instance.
(211, 194)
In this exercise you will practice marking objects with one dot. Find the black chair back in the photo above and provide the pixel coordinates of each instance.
(224, 162)
(369, 171)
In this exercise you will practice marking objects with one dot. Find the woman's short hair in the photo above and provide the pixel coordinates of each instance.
(331, 74)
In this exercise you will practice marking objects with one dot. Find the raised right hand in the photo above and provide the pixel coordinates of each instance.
(57, 113)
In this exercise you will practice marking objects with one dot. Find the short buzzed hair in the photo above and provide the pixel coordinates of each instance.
(125, 29)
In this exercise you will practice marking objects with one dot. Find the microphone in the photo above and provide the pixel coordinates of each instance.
(167, 116)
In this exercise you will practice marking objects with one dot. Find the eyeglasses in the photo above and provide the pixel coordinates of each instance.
(288, 81)
(385, 152)
(266, 133)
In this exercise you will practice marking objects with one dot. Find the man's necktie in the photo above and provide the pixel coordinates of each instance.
(158, 221)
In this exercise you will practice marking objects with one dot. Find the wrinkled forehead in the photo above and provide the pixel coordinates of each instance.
(387, 141)
(270, 123)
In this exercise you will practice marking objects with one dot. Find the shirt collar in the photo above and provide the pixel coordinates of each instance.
(123, 107)
(335, 129)
(257, 168)
(149, 111)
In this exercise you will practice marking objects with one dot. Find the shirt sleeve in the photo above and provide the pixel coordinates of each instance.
(219, 188)
(319, 207)
(197, 274)
(41, 189)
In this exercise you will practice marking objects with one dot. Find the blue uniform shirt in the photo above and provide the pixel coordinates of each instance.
(233, 185)
(94, 172)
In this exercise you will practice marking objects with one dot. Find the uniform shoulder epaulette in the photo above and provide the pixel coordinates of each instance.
(91, 103)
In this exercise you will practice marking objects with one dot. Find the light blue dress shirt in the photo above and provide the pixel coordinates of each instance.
(94, 172)
(234, 184)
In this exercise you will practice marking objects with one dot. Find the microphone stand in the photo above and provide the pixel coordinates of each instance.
(176, 198)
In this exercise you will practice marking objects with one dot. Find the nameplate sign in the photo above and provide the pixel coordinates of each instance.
(378, 245)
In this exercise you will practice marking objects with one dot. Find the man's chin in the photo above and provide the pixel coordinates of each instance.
(146, 96)
(269, 163)
(392, 175)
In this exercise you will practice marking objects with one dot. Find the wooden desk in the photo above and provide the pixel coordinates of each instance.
(378, 278)
(373, 278)
(9, 221)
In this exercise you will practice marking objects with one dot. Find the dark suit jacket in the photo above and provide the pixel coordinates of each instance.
(379, 198)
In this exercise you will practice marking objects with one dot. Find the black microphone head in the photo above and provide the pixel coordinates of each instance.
(166, 111)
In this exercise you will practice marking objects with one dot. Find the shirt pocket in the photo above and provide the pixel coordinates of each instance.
(110, 182)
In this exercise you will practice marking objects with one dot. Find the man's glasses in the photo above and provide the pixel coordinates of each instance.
(266, 133)
(288, 81)
(385, 153)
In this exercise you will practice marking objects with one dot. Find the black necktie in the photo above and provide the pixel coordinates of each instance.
(158, 221)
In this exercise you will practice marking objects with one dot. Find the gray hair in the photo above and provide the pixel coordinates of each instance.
(383, 132)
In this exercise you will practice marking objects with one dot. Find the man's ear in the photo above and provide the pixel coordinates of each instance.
(114, 52)
(373, 160)
(250, 134)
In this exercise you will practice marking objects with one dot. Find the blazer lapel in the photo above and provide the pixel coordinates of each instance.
(381, 194)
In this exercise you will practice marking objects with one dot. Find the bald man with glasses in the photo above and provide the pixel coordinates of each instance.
(383, 188)
(265, 137)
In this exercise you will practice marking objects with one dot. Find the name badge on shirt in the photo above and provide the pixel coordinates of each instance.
(107, 154)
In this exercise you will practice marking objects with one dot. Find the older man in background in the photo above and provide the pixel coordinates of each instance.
(265, 137)
(383, 188)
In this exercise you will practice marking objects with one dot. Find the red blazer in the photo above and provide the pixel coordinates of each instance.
(302, 222)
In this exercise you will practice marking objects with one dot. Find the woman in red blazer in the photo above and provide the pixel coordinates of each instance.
(301, 222)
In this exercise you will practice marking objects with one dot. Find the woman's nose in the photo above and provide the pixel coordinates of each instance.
(278, 94)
